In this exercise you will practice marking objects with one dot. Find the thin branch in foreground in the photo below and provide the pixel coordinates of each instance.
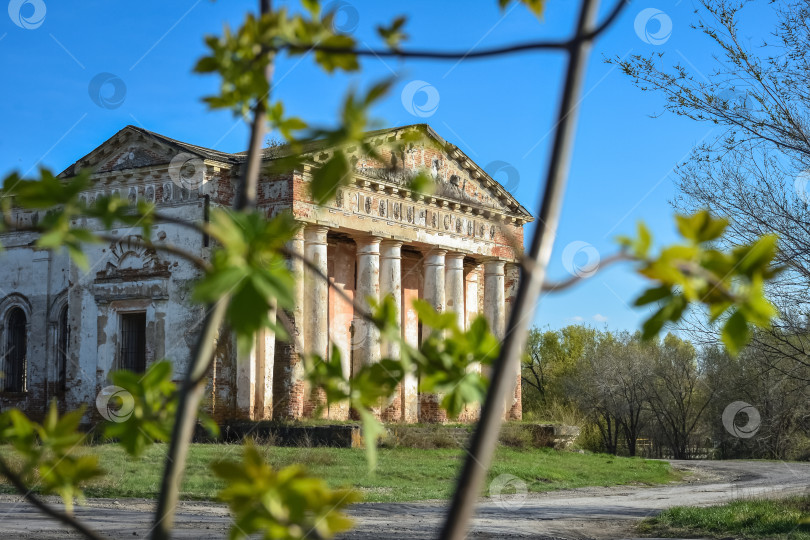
(485, 437)
(45, 508)
(193, 385)
(541, 45)
(556, 286)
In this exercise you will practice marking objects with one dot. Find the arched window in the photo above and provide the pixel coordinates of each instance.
(62, 343)
(15, 352)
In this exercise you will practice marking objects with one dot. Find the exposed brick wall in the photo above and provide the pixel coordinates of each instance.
(430, 410)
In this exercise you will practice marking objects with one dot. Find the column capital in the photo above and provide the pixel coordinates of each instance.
(315, 234)
(367, 243)
(299, 233)
(454, 260)
(434, 256)
(494, 266)
(391, 249)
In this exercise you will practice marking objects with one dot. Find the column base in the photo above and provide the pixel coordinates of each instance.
(393, 413)
(429, 410)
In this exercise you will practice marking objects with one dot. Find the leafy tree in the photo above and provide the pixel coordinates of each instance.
(551, 356)
(678, 396)
(609, 384)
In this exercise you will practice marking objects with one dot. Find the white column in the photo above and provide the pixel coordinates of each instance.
(472, 310)
(454, 286)
(289, 403)
(494, 297)
(433, 291)
(316, 292)
(411, 286)
(316, 308)
(266, 355)
(514, 406)
(391, 286)
(471, 295)
(246, 381)
(296, 246)
(434, 282)
(365, 341)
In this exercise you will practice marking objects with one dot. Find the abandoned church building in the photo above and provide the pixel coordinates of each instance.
(64, 330)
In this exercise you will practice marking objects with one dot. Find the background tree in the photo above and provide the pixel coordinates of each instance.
(757, 169)
(609, 385)
(677, 395)
(551, 356)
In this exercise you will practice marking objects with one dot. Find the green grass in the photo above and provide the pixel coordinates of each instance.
(403, 474)
(746, 518)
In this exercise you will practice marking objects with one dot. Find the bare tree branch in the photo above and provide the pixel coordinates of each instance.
(566, 44)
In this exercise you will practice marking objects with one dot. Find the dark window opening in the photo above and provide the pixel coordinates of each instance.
(62, 343)
(133, 342)
(16, 347)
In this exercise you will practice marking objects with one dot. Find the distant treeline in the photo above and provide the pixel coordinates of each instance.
(668, 397)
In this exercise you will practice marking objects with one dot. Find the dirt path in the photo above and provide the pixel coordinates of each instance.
(595, 513)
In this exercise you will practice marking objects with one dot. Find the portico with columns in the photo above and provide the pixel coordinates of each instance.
(367, 266)
(456, 248)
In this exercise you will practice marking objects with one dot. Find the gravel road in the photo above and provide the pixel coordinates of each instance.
(592, 513)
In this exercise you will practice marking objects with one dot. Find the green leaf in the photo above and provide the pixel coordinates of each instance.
(286, 503)
(393, 34)
(701, 226)
(372, 431)
(422, 184)
(328, 177)
(756, 257)
(332, 61)
(150, 401)
(535, 6)
(653, 294)
(736, 333)
(432, 318)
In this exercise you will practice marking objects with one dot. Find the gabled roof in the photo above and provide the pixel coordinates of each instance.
(454, 152)
(180, 146)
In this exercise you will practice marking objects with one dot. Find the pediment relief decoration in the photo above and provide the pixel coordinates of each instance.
(128, 150)
(457, 187)
(129, 260)
(133, 155)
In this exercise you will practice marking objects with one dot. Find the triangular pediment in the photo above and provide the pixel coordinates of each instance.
(135, 148)
(457, 177)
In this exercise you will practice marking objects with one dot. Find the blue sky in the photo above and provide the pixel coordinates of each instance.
(495, 110)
